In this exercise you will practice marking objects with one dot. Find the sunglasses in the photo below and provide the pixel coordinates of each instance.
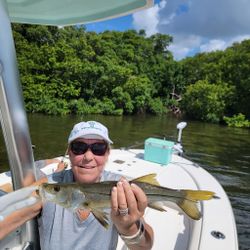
(79, 148)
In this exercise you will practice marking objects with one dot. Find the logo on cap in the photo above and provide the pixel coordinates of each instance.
(91, 124)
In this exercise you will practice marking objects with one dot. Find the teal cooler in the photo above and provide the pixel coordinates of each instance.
(157, 150)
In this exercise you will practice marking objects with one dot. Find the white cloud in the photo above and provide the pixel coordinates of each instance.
(213, 45)
(148, 19)
(197, 25)
(238, 39)
(216, 44)
(184, 45)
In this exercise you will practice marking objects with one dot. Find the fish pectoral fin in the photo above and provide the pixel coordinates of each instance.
(157, 205)
(101, 216)
(149, 178)
(190, 208)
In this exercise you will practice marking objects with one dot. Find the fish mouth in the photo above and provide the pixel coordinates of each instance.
(44, 194)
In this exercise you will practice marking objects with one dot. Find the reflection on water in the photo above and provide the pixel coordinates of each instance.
(223, 151)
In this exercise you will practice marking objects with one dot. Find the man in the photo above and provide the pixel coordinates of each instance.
(88, 149)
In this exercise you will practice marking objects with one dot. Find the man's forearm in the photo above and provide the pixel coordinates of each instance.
(17, 218)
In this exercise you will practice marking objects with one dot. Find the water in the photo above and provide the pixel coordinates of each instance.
(223, 151)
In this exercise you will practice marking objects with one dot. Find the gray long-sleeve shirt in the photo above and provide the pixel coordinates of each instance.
(61, 229)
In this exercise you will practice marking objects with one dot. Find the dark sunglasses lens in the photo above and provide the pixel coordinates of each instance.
(79, 148)
(99, 148)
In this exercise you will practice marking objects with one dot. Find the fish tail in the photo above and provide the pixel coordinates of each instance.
(198, 195)
(190, 208)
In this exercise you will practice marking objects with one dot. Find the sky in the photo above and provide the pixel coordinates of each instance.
(195, 25)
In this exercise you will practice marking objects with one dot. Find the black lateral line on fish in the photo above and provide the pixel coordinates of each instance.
(171, 196)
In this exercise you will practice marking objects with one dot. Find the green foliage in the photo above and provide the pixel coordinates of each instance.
(106, 106)
(108, 69)
(155, 106)
(139, 89)
(49, 106)
(70, 70)
(231, 66)
(80, 107)
(236, 72)
(122, 100)
(238, 121)
(206, 102)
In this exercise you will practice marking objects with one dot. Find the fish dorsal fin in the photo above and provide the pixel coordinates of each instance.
(149, 178)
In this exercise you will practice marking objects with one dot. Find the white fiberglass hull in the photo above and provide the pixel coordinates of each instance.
(173, 229)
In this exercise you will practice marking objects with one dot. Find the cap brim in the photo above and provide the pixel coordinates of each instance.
(93, 136)
(98, 137)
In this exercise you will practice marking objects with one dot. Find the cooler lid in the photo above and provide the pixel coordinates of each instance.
(159, 142)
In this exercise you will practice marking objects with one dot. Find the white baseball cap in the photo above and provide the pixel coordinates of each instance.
(89, 130)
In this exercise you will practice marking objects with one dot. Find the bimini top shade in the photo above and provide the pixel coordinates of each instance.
(68, 12)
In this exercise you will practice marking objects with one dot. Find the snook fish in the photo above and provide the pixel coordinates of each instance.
(96, 196)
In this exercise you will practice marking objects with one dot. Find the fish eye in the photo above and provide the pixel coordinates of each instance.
(56, 188)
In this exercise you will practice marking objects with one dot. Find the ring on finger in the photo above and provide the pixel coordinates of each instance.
(123, 212)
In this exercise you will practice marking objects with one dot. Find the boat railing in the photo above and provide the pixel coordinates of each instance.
(14, 121)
